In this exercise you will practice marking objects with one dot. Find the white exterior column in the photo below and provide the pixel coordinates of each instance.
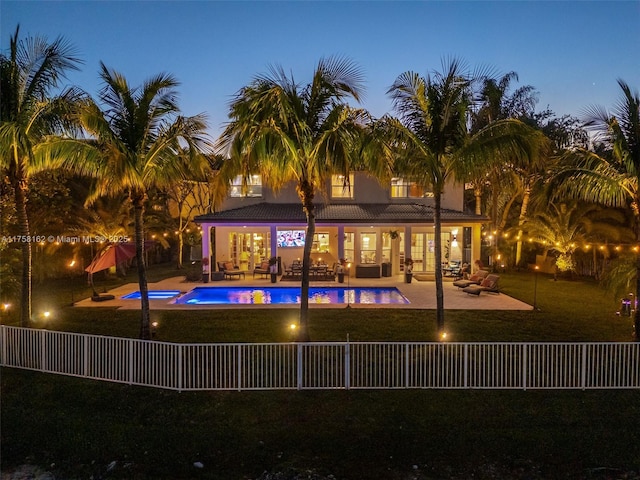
(206, 248)
(274, 241)
(407, 242)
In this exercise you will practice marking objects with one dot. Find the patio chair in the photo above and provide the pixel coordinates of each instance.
(262, 269)
(296, 269)
(489, 285)
(452, 269)
(331, 272)
(475, 279)
(230, 270)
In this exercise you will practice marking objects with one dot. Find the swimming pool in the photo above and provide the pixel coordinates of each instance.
(154, 295)
(289, 295)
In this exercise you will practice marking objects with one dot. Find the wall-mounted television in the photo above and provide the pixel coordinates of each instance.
(291, 238)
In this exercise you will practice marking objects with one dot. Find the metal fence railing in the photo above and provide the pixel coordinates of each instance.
(323, 365)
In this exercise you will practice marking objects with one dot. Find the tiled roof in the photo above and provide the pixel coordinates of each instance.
(343, 213)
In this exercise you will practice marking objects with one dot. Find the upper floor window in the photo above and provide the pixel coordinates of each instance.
(252, 189)
(402, 188)
(342, 187)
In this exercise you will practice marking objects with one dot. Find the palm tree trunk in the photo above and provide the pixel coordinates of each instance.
(138, 208)
(305, 191)
(438, 258)
(636, 316)
(19, 188)
(477, 193)
(523, 214)
(180, 240)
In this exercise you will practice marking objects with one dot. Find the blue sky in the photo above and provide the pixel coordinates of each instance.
(571, 52)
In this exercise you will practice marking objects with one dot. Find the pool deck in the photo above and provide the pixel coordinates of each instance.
(421, 295)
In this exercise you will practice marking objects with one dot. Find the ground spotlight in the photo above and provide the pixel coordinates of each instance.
(292, 330)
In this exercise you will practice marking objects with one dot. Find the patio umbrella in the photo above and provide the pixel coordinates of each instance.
(114, 254)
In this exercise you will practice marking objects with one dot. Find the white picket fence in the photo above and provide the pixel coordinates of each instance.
(323, 365)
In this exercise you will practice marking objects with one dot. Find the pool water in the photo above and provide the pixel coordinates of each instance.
(153, 295)
(289, 295)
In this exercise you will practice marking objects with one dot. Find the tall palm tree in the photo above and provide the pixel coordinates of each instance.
(612, 175)
(139, 133)
(301, 133)
(431, 141)
(33, 115)
(497, 103)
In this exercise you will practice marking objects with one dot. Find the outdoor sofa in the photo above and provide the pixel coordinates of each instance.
(368, 270)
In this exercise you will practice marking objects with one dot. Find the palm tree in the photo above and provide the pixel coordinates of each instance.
(139, 134)
(610, 177)
(432, 144)
(560, 228)
(33, 115)
(496, 103)
(301, 133)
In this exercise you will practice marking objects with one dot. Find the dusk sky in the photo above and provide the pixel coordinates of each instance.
(571, 52)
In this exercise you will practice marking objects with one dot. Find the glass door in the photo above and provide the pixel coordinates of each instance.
(418, 251)
(423, 248)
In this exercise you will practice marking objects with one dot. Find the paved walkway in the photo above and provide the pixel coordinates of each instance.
(421, 295)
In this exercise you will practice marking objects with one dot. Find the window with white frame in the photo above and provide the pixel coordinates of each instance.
(341, 186)
(349, 246)
(403, 188)
(368, 248)
(253, 188)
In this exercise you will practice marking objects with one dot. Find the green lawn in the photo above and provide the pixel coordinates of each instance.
(82, 426)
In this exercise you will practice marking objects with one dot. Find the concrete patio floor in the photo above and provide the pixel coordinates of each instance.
(421, 295)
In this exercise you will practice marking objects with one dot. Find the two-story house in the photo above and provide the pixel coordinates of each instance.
(364, 224)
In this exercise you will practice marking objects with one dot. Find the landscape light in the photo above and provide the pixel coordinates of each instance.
(292, 331)
(535, 288)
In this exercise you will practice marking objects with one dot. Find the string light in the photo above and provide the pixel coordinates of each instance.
(620, 247)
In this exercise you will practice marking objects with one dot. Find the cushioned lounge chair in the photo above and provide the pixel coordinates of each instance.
(475, 279)
(489, 284)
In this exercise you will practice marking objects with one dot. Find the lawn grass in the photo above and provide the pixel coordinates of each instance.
(82, 426)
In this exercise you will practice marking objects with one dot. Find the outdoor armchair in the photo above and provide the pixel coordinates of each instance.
(262, 269)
